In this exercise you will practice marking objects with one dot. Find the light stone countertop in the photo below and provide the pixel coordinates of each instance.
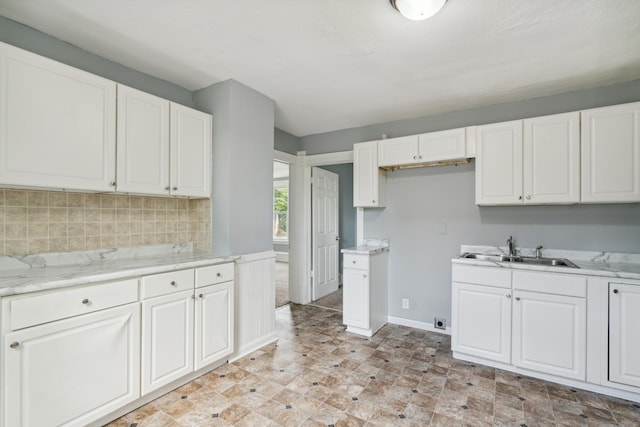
(33, 273)
(370, 247)
(591, 263)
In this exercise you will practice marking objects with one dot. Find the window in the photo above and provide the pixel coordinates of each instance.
(280, 210)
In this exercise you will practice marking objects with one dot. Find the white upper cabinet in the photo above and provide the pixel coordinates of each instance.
(424, 148)
(398, 151)
(499, 164)
(611, 154)
(57, 124)
(143, 142)
(551, 159)
(190, 163)
(163, 148)
(442, 146)
(532, 161)
(369, 181)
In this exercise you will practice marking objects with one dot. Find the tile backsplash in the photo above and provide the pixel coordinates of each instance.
(50, 221)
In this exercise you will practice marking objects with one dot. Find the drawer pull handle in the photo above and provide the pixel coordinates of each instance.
(615, 291)
(15, 344)
(173, 283)
(219, 274)
(85, 301)
(201, 295)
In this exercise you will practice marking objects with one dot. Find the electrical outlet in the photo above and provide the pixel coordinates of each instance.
(439, 323)
(405, 303)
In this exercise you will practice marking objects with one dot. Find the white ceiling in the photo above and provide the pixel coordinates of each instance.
(335, 64)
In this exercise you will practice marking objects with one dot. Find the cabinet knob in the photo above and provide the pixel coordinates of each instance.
(85, 301)
(615, 291)
(364, 275)
(193, 297)
(219, 274)
(373, 201)
(415, 157)
(174, 188)
(15, 344)
(166, 188)
(112, 184)
(508, 295)
(529, 197)
(517, 298)
(353, 262)
(420, 157)
(173, 283)
(519, 197)
(201, 295)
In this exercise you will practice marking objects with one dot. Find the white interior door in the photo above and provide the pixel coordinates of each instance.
(325, 232)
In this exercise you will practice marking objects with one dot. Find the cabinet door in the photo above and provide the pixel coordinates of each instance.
(549, 334)
(611, 154)
(624, 333)
(369, 182)
(499, 164)
(552, 159)
(190, 162)
(481, 321)
(441, 146)
(58, 124)
(214, 323)
(356, 310)
(398, 151)
(167, 339)
(73, 371)
(143, 142)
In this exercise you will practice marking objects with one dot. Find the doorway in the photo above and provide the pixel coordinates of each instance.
(280, 231)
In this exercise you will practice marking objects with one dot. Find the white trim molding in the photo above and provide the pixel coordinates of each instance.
(425, 326)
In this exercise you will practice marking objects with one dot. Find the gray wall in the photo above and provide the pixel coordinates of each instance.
(421, 200)
(284, 141)
(590, 98)
(346, 211)
(37, 42)
(242, 200)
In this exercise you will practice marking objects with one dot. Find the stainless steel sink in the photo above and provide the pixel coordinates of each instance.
(554, 262)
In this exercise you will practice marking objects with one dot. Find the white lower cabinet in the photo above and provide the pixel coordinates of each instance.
(213, 323)
(624, 334)
(531, 320)
(549, 333)
(364, 278)
(482, 321)
(72, 371)
(167, 339)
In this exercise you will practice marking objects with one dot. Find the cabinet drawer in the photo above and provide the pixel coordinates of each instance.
(166, 283)
(358, 262)
(60, 304)
(214, 274)
(558, 284)
(500, 277)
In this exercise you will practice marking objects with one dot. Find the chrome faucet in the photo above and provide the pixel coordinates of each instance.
(539, 251)
(511, 246)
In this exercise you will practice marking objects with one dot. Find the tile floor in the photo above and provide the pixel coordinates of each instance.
(319, 375)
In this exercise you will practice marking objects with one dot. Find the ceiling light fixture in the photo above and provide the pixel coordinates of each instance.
(417, 10)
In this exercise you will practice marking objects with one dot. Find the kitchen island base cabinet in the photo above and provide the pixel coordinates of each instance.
(72, 371)
(365, 292)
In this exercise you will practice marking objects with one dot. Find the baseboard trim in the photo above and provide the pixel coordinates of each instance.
(253, 346)
(425, 326)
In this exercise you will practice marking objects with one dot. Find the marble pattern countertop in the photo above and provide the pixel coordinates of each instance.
(369, 247)
(32, 273)
(591, 263)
